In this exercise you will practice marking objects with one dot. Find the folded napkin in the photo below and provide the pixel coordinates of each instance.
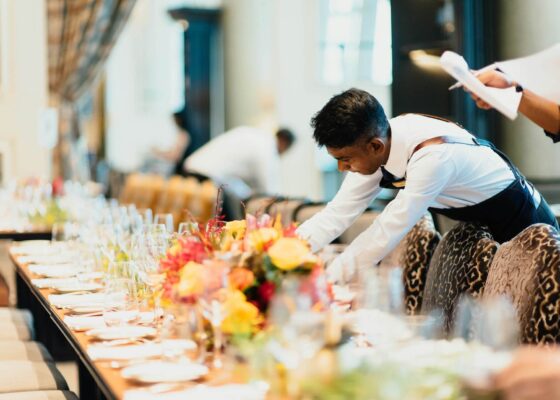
(378, 327)
(42, 248)
(130, 352)
(56, 270)
(253, 391)
(83, 323)
(58, 257)
(45, 283)
(68, 300)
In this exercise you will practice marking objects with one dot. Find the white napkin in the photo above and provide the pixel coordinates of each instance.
(130, 352)
(40, 248)
(56, 270)
(44, 283)
(55, 258)
(67, 300)
(253, 391)
(379, 327)
(82, 323)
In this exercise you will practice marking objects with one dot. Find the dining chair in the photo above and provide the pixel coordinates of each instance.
(527, 270)
(459, 266)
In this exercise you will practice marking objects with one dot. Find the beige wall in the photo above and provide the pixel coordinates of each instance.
(23, 92)
(270, 79)
(527, 27)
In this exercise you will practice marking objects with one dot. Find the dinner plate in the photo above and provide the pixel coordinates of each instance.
(160, 371)
(121, 332)
(71, 287)
(55, 270)
(86, 309)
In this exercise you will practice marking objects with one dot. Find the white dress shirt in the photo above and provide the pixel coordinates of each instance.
(441, 176)
(244, 153)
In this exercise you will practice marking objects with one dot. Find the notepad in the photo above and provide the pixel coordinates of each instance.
(505, 101)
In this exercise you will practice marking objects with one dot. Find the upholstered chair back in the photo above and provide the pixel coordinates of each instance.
(459, 266)
(285, 208)
(413, 255)
(527, 270)
(305, 211)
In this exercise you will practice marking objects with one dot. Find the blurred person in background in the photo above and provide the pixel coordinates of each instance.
(245, 159)
(177, 153)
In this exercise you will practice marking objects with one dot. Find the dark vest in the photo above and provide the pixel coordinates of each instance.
(506, 213)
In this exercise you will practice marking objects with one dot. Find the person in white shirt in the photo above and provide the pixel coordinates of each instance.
(246, 159)
(439, 165)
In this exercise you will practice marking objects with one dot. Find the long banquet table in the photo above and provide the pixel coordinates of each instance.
(97, 380)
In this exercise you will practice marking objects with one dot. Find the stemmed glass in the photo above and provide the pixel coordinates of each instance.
(121, 302)
(212, 302)
(165, 219)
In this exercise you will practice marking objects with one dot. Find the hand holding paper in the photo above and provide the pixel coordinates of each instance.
(504, 100)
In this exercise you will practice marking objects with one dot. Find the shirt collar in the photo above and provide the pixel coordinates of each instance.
(398, 154)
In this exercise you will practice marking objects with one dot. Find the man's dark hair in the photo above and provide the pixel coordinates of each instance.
(179, 117)
(349, 117)
(286, 135)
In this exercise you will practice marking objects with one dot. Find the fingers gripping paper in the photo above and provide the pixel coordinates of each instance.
(505, 101)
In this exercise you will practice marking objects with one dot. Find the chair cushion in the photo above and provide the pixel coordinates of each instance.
(527, 270)
(20, 350)
(460, 265)
(15, 324)
(24, 376)
(40, 395)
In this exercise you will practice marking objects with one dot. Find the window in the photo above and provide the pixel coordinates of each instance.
(355, 41)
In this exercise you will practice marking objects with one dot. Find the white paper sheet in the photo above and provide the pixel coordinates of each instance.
(539, 72)
(505, 101)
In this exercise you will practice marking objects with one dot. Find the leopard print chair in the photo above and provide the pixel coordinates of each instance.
(413, 254)
(527, 270)
(459, 266)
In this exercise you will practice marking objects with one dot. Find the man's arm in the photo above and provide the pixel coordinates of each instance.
(428, 173)
(543, 112)
(353, 197)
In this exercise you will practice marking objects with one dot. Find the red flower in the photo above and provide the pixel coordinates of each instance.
(265, 293)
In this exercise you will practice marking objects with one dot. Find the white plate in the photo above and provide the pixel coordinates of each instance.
(121, 332)
(46, 283)
(78, 287)
(86, 309)
(159, 371)
(55, 270)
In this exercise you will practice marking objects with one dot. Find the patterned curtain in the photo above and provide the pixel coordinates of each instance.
(81, 34)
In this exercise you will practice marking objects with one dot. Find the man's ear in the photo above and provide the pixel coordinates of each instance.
(375, 144)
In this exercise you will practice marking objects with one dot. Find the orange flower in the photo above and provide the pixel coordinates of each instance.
(191, 281)
(241, 278)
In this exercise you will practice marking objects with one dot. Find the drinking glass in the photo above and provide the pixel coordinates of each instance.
(165, 219)
(212, 305)
(120, 304)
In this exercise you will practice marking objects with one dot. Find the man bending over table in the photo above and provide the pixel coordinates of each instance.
(435, 164)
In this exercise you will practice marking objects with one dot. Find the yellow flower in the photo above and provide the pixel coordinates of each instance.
(258, 238)
(191, 281)
(242, 317)
(290, 253)
(236, 229)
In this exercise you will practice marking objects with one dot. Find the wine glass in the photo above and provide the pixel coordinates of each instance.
(186, 228)
(120, 304)
(212, 305)
(165, 219)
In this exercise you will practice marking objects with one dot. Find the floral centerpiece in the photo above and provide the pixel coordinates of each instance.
(259, 253)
